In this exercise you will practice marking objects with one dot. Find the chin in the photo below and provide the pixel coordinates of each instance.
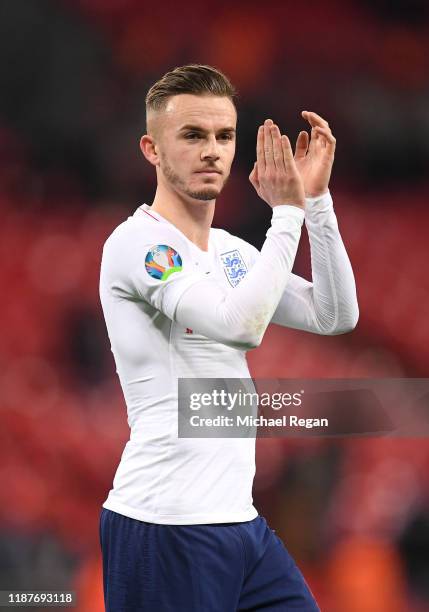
(205, 191)
(204, 194)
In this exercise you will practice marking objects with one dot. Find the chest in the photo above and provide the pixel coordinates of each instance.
(227, 264)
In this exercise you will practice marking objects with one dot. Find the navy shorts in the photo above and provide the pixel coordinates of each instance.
(198, 568)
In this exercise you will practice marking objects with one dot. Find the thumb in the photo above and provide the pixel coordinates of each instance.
(301, 145)
(253, 176)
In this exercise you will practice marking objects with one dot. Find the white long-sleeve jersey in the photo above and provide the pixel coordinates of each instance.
(173, 310)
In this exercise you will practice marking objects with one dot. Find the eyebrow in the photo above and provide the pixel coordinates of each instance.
(196, 128)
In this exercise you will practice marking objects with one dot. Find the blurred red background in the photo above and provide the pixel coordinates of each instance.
(353, 512)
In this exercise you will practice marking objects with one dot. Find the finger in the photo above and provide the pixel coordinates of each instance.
(301, 145)
(268, 146)
(319, 138)
(314, 119)
(260, 155)
(325, 135)
(287, 154)
(277, 148)
(325, 132)
(312, 147)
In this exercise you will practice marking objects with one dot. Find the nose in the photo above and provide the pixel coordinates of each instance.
(210, 149)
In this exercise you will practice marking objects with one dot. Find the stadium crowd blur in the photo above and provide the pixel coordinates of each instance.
(73, 74)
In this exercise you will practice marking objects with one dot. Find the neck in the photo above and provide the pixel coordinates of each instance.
(192, 217)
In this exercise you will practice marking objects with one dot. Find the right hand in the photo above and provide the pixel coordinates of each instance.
(275, 176)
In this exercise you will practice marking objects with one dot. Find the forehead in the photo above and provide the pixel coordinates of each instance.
(207, 111)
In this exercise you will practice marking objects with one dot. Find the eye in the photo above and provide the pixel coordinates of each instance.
(226, 136)
(192, 136)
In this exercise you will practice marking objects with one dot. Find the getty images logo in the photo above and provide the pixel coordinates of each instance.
(229, 401)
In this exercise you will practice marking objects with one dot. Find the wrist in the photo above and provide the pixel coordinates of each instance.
(295, 204)
(288, 210)
(316, 194)
(318, 204)
(310, 199)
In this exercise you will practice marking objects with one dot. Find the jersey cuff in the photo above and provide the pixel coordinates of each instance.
(319, 203)
(285, 211)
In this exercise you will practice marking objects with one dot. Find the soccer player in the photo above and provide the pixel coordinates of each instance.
(178, 530)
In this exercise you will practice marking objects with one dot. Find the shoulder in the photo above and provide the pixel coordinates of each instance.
(143, 232)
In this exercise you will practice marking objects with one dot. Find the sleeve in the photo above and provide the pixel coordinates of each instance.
(142, 269)
(239, 316)
(327, 305)
(154, 267)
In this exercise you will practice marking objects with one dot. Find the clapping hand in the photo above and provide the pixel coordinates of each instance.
(275, 175)
(314, 155)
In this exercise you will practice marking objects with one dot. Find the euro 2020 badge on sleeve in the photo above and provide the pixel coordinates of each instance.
(162, 261)
(234, 266)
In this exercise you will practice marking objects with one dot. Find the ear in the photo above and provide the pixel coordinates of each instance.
(149, 149)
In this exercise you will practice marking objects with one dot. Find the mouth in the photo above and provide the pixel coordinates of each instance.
(208, 171)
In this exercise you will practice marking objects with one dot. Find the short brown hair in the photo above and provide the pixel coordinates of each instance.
(190, 79)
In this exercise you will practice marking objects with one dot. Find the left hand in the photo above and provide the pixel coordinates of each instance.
(314, 156)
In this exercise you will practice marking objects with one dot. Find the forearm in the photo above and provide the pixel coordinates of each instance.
(328, 305)
(239, 317)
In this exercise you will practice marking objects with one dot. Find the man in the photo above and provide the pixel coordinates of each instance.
(178, 530)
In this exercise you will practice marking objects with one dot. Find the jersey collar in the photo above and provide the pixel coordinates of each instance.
(145, 211)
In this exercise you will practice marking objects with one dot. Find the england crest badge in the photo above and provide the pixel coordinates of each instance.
(234, 266)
